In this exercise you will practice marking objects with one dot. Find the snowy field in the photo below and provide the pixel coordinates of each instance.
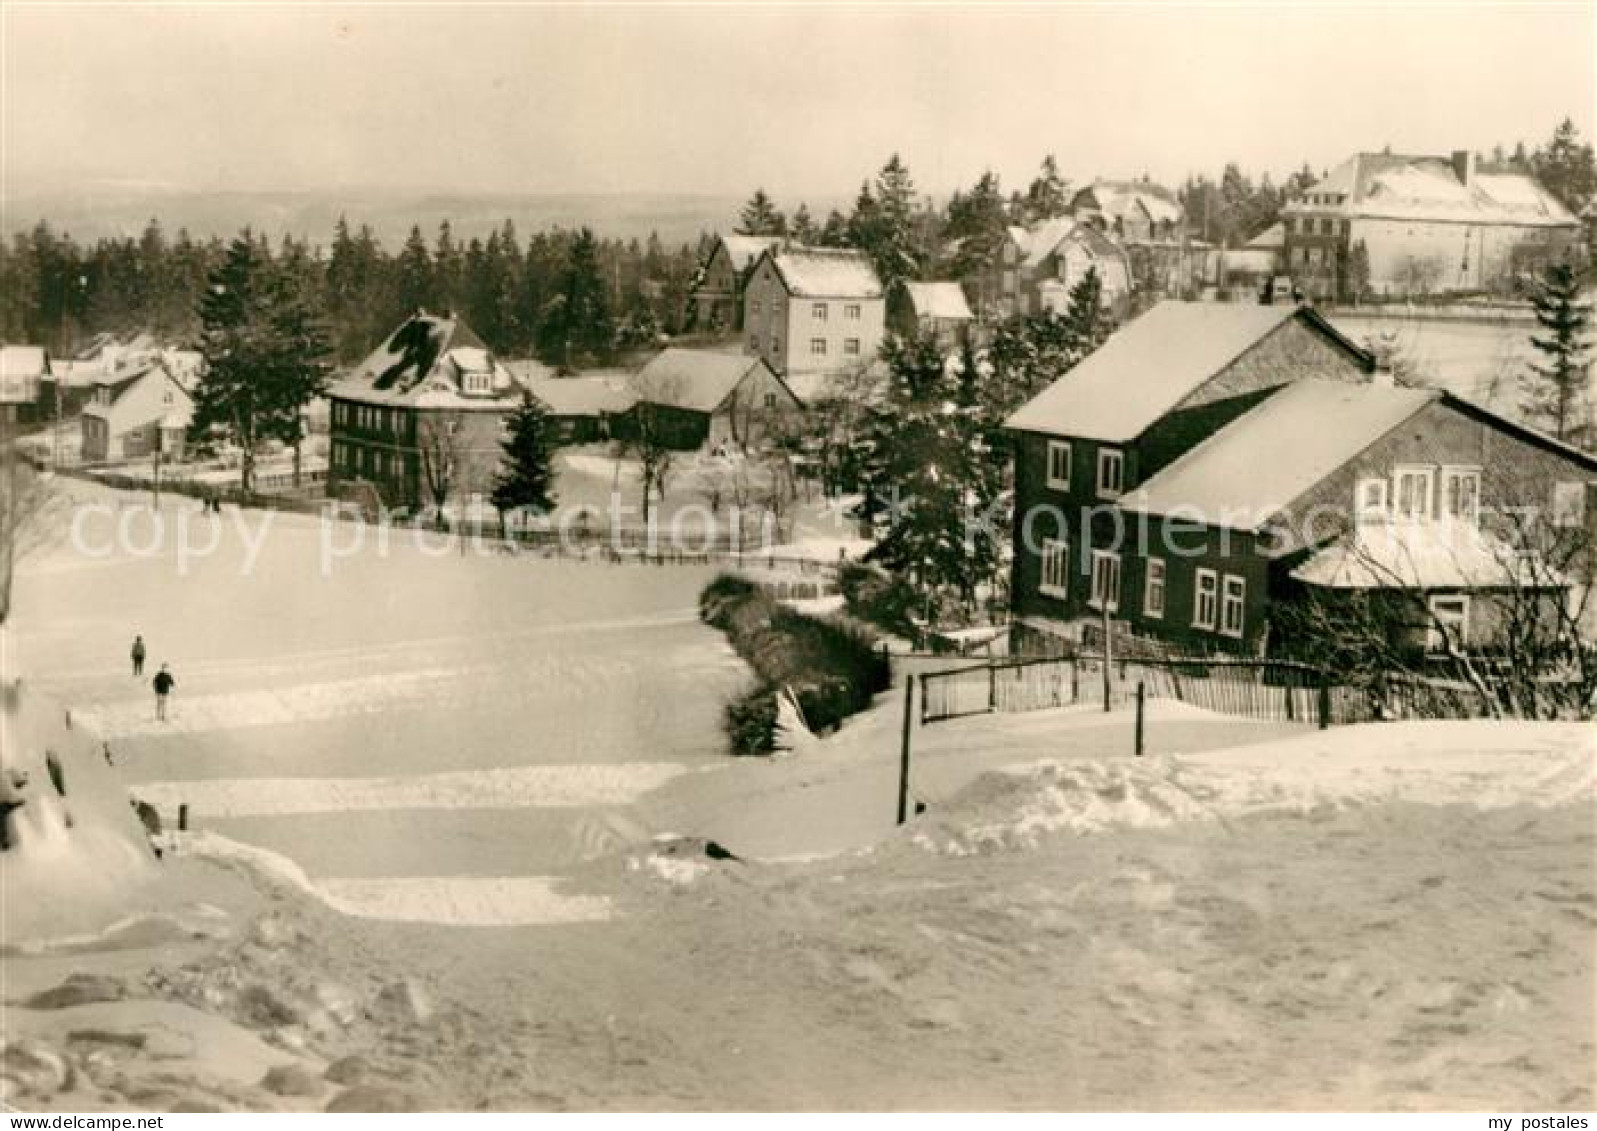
(436, 799)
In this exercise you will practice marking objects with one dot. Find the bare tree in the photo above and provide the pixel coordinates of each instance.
(649, 439)
(1512, 629)
(440, 443)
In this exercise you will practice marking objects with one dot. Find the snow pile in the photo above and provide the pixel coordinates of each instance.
(680, 860)
(1014, 808)
(1481, 765)
(77, 855)
(461, 901)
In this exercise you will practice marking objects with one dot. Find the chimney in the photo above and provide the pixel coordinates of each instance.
(1464, 166)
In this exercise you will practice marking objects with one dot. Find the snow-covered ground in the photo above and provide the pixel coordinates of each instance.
(468, 843)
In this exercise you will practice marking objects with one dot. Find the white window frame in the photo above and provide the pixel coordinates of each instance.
(1205, 584)
(754, 306)
(1105, 580)
(1155, 579)
(1453, 474)
(851, 312)
(817, 347)
(1116, 459)
(1366, 508)
(851, 347)
(1056, 449)
(1399, 474)
(1233, 599)
(776, 344)
(818, 311)
(770, 400)
(1053, 579)
(1433, 635)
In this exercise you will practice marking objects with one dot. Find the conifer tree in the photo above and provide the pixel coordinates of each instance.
(1555, 391)
(526, 478)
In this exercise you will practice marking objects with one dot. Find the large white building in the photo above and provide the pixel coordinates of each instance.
(814, 311)
(1421, 225)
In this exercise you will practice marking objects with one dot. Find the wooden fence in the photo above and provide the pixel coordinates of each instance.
(1268, 690)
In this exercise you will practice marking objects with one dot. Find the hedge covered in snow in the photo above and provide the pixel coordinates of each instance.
(831, 670)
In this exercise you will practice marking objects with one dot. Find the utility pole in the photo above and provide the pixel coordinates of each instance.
(903, 759)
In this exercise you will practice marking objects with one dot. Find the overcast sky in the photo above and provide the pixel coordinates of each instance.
(800, 100)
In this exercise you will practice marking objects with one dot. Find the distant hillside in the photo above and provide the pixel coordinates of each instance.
(90, 211)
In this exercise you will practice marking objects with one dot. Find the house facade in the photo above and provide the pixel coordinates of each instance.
(24, 371)
(1158, 388)
(936, 309)
(136, 412)
(1289, 475)
(696, 398)
(427, 406)
(1040, 266)
(718, 291)
(814, 310)
(1395, 225)
(1149, 221)
(583, 409)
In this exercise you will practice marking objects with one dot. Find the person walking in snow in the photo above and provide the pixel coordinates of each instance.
(138, 656)
(163, 684)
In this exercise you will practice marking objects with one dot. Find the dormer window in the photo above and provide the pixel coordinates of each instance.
(478, 382)
(1412, 488)
(1461, 494)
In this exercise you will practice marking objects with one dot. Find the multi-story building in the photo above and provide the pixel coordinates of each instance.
(426, 408)
(1388, 224)
(1202, 477)
(1158, 387)
(138, 410)
(812, 312)
(1039, 266)
(718, 291)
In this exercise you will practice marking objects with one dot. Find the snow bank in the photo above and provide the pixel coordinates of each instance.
(79, 858)
(1479, 764)
(460, 901)
(519, 787)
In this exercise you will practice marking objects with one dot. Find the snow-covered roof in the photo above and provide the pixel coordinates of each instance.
(1122, 199)
(1149, 365)
(1404, 187)
(425, 363)
(813, 272)
(744, 250)
(695, 379)
(583, 396)
(1038, 243)
(1272, 238)
(526, 369)
(1257, 465)
(1420, 555)
(942, 299)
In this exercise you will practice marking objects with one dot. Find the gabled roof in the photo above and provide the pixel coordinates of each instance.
(1254, 467)
(424, 364)
(1124, 198)
(744, 250)
(1151, 364)
(941, 299)
(583, 396)
(1038, 243)
(695, 379)
(1423, 187)
(1272, 238)
(814, 272)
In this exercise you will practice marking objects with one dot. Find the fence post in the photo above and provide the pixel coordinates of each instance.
(1108, 675)
(1075, 682)
(992, 688)
(1287, 687)
(183, 817)
(903, 758)
(1325, 704)
(1141, 700)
